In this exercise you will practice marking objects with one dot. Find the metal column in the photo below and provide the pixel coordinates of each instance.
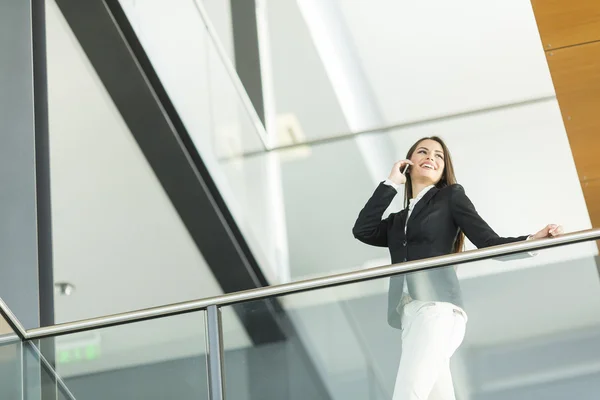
(25, 238)
(214, 339)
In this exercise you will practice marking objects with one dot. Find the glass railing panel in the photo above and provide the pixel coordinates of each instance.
(36, 378)
(532, 322)
(49, 387)
(11, 363)
(40, 378)
(156, 359)
(198, 75)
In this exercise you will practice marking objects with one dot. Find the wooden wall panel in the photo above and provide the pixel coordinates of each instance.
(567, 22)
(576, 76)
(591, 191)
(570, 32)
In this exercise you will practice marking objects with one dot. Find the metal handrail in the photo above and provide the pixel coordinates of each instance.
(12, 320)
(298, 286)
(388, 129)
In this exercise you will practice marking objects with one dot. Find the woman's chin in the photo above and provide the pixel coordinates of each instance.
(425, 178)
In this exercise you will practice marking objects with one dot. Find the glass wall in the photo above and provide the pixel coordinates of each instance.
(156, 359)
(297, 204)
(518, 331)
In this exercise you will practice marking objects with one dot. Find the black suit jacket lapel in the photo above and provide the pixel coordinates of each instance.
(422, 203)
(402, 216)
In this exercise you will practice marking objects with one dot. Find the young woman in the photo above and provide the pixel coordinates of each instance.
(427, 305)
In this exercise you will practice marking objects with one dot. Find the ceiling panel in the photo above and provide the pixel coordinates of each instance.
(567, 23)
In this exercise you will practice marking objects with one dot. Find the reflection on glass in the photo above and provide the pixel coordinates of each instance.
(532, 328)
(157, 359)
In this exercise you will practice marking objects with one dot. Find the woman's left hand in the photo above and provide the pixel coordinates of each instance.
(551, 230)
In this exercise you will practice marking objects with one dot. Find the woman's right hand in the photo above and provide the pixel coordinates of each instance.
(396, 175)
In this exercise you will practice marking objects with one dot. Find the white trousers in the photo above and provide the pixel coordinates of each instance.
(431, 333)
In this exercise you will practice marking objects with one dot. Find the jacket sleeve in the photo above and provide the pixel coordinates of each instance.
(369, 228)
(469, 221)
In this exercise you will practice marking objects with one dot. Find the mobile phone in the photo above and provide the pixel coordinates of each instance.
(405, 169)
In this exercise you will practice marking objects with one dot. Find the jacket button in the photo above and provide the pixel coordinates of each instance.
(404, 243)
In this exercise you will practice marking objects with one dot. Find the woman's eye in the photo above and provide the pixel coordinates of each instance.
(440, 156)
(422, 152)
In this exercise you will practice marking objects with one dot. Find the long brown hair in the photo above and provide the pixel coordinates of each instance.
(448, 178)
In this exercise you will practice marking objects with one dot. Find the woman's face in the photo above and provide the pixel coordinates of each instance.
(428, 159)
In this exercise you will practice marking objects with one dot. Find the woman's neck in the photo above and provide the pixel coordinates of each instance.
(417, 187)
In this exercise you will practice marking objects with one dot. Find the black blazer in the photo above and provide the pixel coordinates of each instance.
(432, 229)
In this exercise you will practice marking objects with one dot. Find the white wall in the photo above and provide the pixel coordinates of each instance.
(432, 58)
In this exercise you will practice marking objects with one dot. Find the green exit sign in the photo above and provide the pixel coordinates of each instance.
(78, 354)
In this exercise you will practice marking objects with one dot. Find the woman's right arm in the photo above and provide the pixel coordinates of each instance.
(369, 227)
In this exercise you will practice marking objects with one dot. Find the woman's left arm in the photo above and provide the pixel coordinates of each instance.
(477, 230)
